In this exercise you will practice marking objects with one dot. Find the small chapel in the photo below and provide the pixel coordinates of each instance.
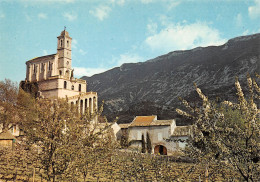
(52, 77)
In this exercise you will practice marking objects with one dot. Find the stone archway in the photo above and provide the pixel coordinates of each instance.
(160, 149)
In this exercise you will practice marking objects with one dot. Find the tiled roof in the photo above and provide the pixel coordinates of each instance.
(182, 131)
(6, 136)
(143, 120)
(161, 122)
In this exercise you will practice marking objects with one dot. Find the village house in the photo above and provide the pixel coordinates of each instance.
(166, 138)
(180, 136)
(7, 139)
(113, 127)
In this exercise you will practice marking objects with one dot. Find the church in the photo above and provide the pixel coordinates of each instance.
(52, 77)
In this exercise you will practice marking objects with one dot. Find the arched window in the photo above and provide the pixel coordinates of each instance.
(86, 105)
(67, 73)
(94, 103)
(81, 107)
(67, 43)
(28, 68)
(60, 72)
(72, 87)
(80, 87)
(90, 105)
(42, 67)
(65, 84)
(61, 43)
(50, 65)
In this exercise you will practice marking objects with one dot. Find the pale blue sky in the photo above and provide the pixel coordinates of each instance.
(108, 33)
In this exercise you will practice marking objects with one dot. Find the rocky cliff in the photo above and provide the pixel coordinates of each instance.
(153, 87)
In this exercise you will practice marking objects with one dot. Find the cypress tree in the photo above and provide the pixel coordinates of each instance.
(148, 143)
(124, 140)
(143, 144)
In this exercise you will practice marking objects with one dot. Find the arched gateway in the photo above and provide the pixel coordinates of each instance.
(160, 149)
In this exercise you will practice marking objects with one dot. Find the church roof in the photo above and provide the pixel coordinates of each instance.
(42, 57)
(64, 32)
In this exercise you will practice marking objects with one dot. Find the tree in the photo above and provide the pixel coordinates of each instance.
(96, 143)
(52, 134)
(228, 131)
(15, 107)
(8, 104)
(61, 142)
(124, 139)
(143, 144)
(149, 143)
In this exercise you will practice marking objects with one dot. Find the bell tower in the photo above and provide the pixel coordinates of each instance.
(64, 53)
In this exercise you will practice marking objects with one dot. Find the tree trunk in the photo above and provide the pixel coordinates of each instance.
(33, 174)
(206, 174)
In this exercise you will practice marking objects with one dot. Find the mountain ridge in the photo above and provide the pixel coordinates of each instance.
(159, 82)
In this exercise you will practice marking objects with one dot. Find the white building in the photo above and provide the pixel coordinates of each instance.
(164, 134)
(52, 77)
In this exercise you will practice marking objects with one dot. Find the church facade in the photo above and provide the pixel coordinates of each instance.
(53, 77)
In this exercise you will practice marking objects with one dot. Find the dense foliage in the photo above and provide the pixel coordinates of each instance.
(227, 132)
(8, 107)
(58, 140)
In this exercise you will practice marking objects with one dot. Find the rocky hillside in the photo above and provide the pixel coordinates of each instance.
(153, 87)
